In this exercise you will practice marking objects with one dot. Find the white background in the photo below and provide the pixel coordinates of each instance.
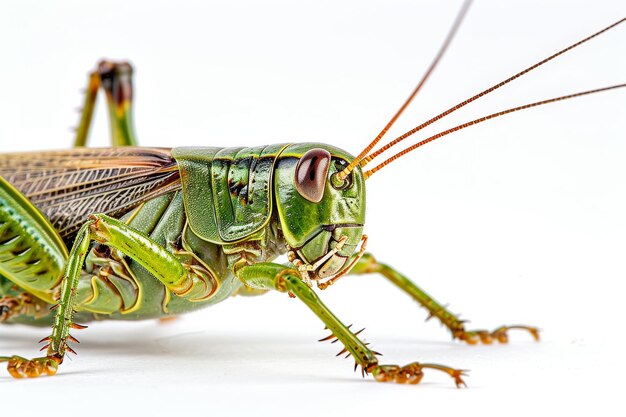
(518, 220)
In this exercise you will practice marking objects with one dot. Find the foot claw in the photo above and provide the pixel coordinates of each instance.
(500, 334)
(20, 367)
(413, 373)
(457, 374)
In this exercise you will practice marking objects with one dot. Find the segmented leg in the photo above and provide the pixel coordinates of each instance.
(185, 280)
(20, 367)
(22, 304)
(368, 264)
(270, 276)
(115, 78)
(32, 254)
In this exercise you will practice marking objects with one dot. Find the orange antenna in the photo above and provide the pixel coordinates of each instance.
(370, 172)
(483, 93)
(344, 173)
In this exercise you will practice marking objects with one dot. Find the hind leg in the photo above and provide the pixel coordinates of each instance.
(115, 78)
(19, 306)
(22, 304)
(32, 254)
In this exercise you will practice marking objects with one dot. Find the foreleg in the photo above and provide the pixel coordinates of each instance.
(368, 264)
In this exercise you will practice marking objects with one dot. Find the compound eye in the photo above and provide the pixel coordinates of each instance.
(311, 174)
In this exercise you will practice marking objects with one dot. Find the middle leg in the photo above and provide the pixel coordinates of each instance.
(184, 280)
(270, 276)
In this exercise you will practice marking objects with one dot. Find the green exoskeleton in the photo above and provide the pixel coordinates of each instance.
(130, 233)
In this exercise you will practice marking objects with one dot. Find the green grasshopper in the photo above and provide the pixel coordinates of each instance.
(156, 232)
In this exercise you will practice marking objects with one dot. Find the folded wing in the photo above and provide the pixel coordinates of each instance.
(69, 185)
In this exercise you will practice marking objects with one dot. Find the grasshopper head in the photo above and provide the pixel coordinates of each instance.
(321, 217)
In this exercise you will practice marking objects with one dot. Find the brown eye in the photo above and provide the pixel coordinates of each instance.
(311, 174)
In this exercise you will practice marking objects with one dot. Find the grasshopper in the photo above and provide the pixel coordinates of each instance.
(131, 233)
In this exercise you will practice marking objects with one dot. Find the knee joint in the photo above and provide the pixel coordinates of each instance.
(286, 279)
